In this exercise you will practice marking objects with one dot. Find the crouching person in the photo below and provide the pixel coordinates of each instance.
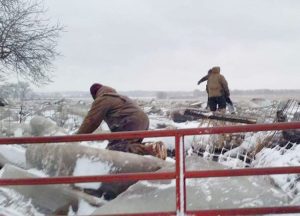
(121, 114)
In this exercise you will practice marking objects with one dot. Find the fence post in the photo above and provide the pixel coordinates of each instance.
(182, 150)
(180, 182)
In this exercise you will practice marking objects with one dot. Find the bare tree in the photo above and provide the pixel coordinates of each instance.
(27, 40)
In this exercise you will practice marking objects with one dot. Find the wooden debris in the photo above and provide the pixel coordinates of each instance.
(220, 117)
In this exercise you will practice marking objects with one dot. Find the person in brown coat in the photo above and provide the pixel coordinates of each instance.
(227, 98)
(121, 114)
(217, 88)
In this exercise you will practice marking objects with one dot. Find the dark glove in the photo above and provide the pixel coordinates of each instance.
(198, 83)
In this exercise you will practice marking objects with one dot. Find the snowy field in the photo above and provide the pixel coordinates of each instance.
(62, 117)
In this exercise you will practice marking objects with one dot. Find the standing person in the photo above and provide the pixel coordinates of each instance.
(217, 89)
(203, 79)
(227, 98)
(121, 114)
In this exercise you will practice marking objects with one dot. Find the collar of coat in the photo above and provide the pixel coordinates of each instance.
(108, 91)
(105, 90)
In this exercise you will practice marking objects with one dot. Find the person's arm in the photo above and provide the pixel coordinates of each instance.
(94, 117)
(203, 79)
(224, 85)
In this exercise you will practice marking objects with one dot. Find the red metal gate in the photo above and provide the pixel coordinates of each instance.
(180, 173)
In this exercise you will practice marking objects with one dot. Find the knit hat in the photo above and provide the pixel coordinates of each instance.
(94, 88)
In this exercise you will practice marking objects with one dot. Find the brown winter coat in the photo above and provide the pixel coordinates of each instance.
(119, 112)
(217, 84)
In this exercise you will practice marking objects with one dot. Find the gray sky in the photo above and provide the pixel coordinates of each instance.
(171, 44)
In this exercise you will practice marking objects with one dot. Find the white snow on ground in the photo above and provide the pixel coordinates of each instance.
(14, 204)
(37, 172)
(232, 162)
(282, 157)
(86, 166)
(170, 141)
(14, 153)
(252, 138)
(18, 132)
(160, 186)
(84, 208)
(49, 113)
(95, 144)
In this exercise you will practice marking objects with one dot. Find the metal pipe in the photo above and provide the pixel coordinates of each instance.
(154, 133)
(177, 160)
(242, 172)
(85, 179)
(246, 211)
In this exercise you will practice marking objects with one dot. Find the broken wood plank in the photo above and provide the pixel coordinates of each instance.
(221, 117)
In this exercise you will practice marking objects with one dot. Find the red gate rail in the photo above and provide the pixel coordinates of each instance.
(85, 179)
(242, 172)
(154, 133)
(180, 173)
(247, 211)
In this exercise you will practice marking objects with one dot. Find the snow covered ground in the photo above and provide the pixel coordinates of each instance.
(262, 149)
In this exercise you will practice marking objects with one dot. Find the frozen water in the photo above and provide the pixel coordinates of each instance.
(65, 118)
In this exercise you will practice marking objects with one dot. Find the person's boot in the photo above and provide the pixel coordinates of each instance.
(156, 149)
(231, 109)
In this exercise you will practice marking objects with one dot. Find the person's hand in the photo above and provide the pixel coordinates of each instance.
(198, 83)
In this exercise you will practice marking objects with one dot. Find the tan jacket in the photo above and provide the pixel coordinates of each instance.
(217, 84)
(119, 112)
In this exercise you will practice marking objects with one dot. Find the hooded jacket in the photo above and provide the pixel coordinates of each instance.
(118, 111)
(217, 84)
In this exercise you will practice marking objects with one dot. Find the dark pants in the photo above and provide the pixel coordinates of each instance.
(228, 100)
(217, 102)
(133, 123)
(127, 146)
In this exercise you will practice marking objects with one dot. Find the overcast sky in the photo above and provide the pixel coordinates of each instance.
(171, 44)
